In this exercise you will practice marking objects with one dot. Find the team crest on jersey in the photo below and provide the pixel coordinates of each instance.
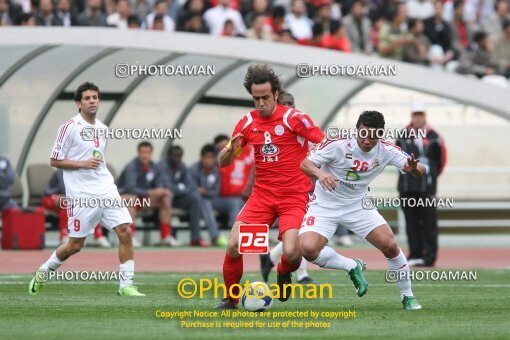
(269, 150)
(376, 163)
(279, 130)
(269, 153)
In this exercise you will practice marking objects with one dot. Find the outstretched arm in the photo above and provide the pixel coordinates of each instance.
(413, 167)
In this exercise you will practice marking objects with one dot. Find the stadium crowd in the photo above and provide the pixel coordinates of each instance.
(474, 33)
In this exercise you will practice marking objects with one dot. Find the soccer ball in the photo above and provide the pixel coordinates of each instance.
(251, 302)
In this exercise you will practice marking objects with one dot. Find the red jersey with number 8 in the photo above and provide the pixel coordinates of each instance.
(280, 143)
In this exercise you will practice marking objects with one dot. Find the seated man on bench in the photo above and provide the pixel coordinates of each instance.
(142, 178)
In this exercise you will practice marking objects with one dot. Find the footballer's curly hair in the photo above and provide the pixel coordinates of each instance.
(260, 74)
(85, 87)
(372, 119)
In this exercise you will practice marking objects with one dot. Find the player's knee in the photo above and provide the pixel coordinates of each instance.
(75, 247)
(124, 233)
(292, 253)
(308, 250)
(390, 248)
(232, 247)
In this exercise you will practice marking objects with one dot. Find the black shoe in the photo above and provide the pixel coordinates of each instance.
(281, 281)
(226, 304)
(265, 266)
(307, 280)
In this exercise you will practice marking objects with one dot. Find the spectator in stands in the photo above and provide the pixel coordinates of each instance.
(121, 14)
(285, 36)
(184, 194)
(323, 17)
(317, 37)
(207, 180)
(502, 49)
(26, 19)
(160, 8)
(337, 39)
(417, 51)
(439, 33)
(479, 59)
(379, 22)
(494, 25)
(142, 178)
(259, 29)
(133, 22)
(421, 222)
(187, 15)
(78, 6)
(277, 19)
(7, 178)
(392, 37)
(420, 9)
(174, 8)
(194, 23)
(298, 22)
(63, 12)
(461, 31)
(141, 8)
(46, 14)
(8, 13)
(228, 29)
(258, 7)
(92, 15)
(357, 26)
(478, 12)
(216, 17)
(158, 24)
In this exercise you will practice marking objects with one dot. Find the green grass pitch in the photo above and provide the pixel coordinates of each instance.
(452, 310)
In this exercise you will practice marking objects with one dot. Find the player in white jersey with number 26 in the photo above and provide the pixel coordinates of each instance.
(344, 168)
(79, 150)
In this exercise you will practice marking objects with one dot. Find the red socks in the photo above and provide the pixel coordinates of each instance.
(285, 267)
(98, 232)
(232, 273)
(166, 230)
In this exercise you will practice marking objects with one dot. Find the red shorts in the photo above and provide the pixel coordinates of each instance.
(263, 208)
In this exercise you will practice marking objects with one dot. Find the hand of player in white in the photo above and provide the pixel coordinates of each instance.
(327, 181)
(412, 164)
(92, 163)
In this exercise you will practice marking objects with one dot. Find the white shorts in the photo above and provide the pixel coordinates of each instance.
(82, 220)
(325, 221)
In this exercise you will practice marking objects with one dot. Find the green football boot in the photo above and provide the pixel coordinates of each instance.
(410, 303)
(356, 275)
(129, 291)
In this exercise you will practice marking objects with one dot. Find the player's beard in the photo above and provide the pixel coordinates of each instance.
(91, 115)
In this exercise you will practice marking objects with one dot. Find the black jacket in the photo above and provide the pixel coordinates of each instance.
(430, 153)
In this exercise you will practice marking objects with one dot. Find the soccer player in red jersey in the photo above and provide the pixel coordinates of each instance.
(279, 136)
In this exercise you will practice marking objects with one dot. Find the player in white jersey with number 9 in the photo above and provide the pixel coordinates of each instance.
(79, 150)
(344, 168)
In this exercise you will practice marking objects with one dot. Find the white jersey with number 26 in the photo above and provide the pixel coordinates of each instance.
(354, 168)
(70, 144)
